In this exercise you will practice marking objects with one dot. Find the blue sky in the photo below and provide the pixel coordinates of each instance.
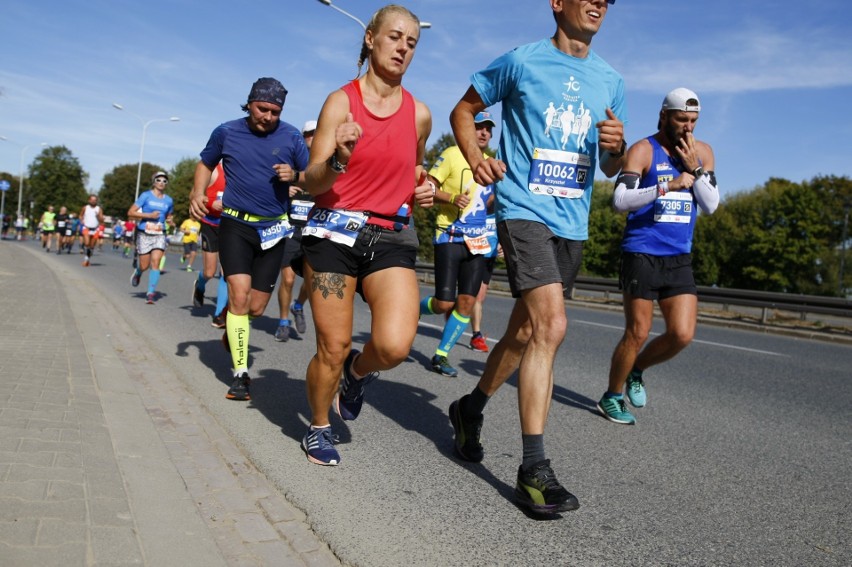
(774, 78)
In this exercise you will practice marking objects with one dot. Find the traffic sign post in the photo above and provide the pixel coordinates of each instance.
(4, 186)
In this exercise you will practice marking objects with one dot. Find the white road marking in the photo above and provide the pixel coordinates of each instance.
(723, 345)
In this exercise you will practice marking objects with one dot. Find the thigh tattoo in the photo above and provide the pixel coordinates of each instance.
(329, 284)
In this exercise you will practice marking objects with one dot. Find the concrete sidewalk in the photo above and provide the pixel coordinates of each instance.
(105, 458)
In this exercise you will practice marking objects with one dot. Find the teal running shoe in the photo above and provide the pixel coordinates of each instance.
(441, 365)
(615, 410)
(636, 391)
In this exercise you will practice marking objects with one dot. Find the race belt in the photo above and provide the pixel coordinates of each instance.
(248, 217)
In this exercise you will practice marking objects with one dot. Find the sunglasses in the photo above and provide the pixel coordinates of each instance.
(161, 180)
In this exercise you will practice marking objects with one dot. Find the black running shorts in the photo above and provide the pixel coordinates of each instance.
(455, 265)
(656, 277)
(240, 253)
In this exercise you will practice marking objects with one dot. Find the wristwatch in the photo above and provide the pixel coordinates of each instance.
(336, 165)
(698, 172)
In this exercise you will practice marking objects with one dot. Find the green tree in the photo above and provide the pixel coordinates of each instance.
(11, 194)
(771, 239)
(835, 195)
(180, 185)
(602, 252)
(55, 178)
(116, 194)
(715, 243)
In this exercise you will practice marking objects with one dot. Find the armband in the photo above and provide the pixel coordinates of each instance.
(335, 165)
(630, 180)
(628, 196)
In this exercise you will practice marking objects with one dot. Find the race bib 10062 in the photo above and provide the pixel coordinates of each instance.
(559, 173)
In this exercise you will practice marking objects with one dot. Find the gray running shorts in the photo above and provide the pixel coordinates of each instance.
(536, 257)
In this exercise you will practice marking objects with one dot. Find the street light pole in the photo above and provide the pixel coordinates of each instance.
(142, 144)
(21, 179)
(423, 25)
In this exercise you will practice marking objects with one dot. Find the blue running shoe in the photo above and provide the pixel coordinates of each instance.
(441, 365)
(318, 445)
(282, 333)
(538, 491)
(615, 410)
(636, 391)
(350, 398)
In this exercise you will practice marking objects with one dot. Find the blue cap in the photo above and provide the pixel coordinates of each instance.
(484, 117)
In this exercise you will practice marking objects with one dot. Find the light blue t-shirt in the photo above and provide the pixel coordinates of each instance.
(148, 202)
(551, 102)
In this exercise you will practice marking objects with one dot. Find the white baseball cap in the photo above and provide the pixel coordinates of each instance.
(682, 99)
(309, 126)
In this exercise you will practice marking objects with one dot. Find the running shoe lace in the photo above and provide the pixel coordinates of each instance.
(326, 439)
(545, 478)
(476, 430)
(353, 390)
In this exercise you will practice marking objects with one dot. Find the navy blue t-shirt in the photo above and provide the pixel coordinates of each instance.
(251, 185)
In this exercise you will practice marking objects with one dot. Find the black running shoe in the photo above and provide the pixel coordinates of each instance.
(539, 492)
(239, 390)
(466, 434)
(197, 296)
(218, 321)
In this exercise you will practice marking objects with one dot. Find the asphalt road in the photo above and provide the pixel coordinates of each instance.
(741, 457)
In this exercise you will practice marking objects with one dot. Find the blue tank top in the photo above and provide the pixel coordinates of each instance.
(663, 227)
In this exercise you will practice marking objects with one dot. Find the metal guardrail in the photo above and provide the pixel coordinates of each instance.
(763, 300)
